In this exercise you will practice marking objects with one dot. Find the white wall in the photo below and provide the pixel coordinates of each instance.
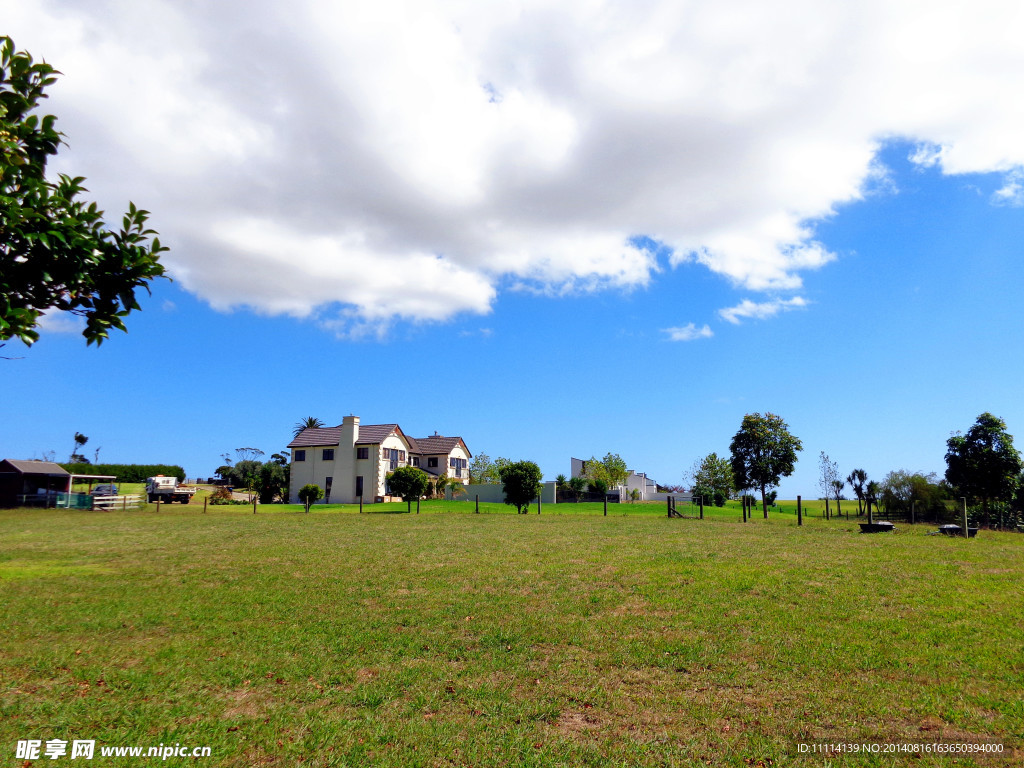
(494, 493)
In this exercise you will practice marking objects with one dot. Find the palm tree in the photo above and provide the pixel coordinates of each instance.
(440, 483)
(858, 480)
(871, 494)
(310, 422)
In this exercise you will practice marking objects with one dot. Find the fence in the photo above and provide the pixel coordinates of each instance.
(62, 500)
(108, 503)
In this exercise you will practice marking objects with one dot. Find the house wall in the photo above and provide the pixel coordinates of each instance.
(495, 493)
(314, 470)
(391, 442)
(458, 452)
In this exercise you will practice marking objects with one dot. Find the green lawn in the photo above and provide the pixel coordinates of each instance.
(452, 638)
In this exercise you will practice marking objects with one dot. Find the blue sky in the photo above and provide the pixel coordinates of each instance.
(496, 290)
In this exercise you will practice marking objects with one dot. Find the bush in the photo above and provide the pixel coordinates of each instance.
(223, 496)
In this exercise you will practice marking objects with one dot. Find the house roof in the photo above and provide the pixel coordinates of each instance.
(369, 434)
(32, 467)
(313, 436)
(374, 434)
(438, 444)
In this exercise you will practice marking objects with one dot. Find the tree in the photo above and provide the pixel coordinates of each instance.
(271, 482)
(858, 480)
(611, 469)
(55, 249)
(763, 452)
(871, 493)
(437, 486)
(712, 478)
(829, 480)
(983, 463)
(310, 494)
(521, 484)
(409, 483)
(483, 470)
(76, 457)
(560, 481)
(577, 485)
(310, 422)
(837, 489)
(900, 490)
(246, 474)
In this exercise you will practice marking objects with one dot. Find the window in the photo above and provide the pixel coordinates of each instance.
(415, 461)
(432, 461)
(299, 456)
(362, 453)
(327, 488)
(328, 454)
(393, 458)
(457, 464)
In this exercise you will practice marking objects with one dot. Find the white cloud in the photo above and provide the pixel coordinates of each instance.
(748, 309)
(374, 161)
(1012, 191)
(56, 321)
(689, 332)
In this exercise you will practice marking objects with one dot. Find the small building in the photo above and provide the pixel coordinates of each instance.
(352, 461)
(23, 480)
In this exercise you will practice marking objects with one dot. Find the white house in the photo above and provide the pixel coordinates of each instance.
(635, 481)
(352, 461)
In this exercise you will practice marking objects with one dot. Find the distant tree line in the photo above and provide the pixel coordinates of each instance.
(127, 473)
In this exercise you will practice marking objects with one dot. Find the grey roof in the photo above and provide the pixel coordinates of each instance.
(32, 467)
(311, 437)
(374, 434)
(438, 444)
(369, 434)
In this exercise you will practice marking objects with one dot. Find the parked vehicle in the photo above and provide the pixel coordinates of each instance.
(167, 489)
(105, 490)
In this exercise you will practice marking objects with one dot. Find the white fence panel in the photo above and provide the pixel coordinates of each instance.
(127, 501)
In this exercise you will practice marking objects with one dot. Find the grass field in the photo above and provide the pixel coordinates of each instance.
(449, 638)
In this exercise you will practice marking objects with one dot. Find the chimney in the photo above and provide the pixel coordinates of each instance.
(349, 431)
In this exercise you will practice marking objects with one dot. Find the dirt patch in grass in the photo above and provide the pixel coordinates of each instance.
(245, 703)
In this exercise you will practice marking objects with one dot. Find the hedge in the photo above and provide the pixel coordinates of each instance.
(127, 473)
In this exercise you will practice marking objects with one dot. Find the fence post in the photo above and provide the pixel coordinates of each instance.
(157, 503)
(701, 507)
(799, 511)
(205, 499)
(668, 505)
(966, 532)
(417, 505)
(478, 503)
(254, 505)
(124, 504)
(539, 502)
(606, 505)
(360, 505)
